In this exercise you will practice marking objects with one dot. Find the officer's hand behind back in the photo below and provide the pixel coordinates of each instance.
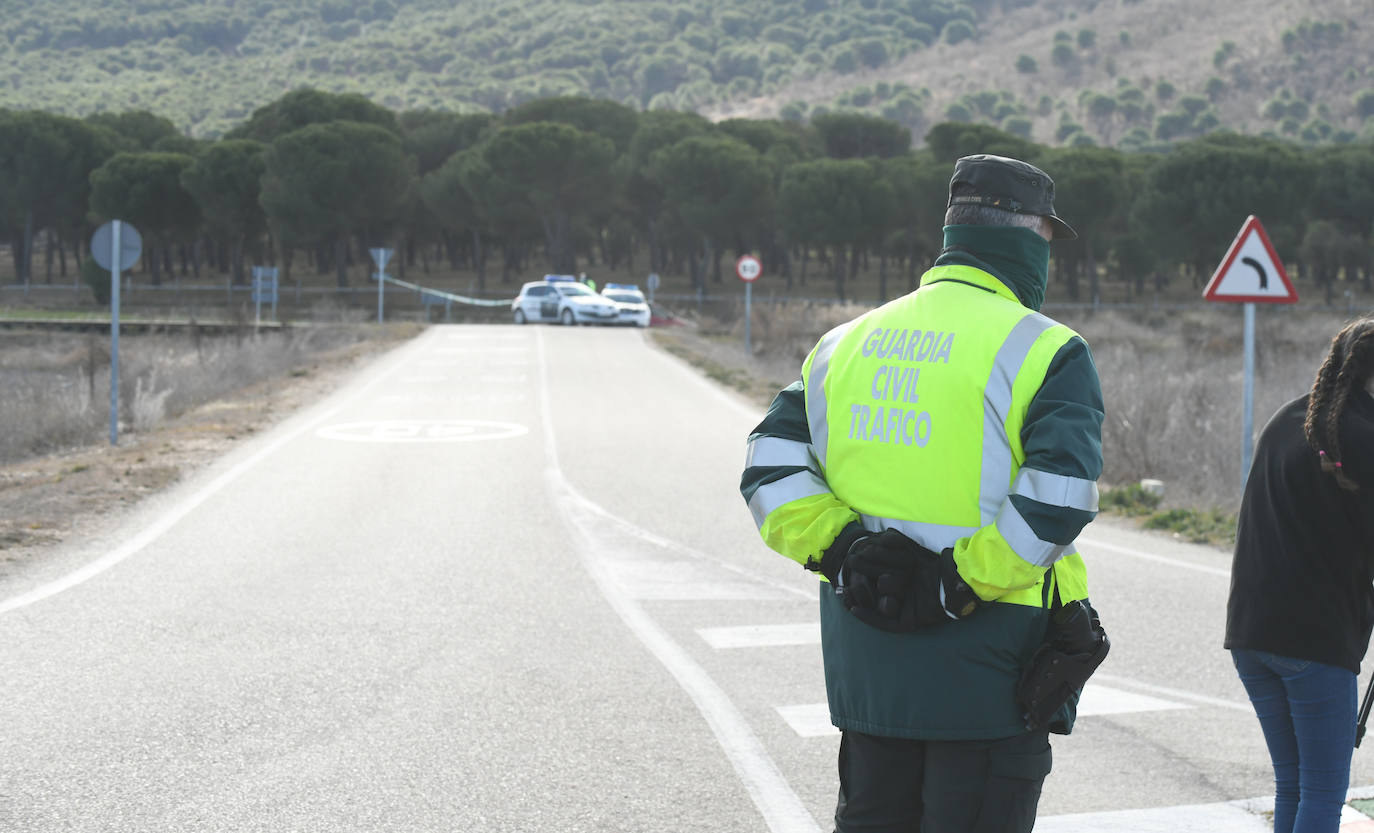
(893, 583)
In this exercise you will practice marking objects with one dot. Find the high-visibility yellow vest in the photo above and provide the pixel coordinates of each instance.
(915, 412)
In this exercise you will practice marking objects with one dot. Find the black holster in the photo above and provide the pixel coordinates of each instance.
(1075, 644)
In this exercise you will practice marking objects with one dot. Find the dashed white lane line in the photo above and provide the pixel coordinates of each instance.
(1100, 699)
(1200, 699)
(812, 720)
(1241, 816)
(762, 636)
(1189, 818)
(676, 580)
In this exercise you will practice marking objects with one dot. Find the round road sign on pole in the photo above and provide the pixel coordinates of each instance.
(130, 245)
(748, 268)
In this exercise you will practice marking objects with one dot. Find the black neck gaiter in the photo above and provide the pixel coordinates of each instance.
(1018, 257)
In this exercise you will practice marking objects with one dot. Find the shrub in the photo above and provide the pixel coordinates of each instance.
(1087, 38)
(1193, 104)
(845, 60)
(957, 31)
(1062, 55)
(958, 112)
(98, 279)
(1018, 126)
(1164, 90)
(1198, 527)
(1316, 130)
(1364, 104)
(1172, 125)
(1026, 65)
(872, 52)
(1131, 500)
(1223, 54)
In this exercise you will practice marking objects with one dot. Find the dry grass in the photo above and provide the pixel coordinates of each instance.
(57, 385)
(1172, 380)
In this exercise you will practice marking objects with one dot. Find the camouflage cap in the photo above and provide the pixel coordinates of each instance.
(1008, 184)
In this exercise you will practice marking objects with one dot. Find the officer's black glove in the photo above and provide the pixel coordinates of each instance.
(834, 555)
(1074, 646)
(893, 583)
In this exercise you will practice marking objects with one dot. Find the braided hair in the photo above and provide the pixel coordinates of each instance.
(1348, 367)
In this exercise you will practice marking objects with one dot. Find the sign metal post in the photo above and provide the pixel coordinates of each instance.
(264, 288)
(116, 246)
(114, 265)
(748, 268)
(380, 257)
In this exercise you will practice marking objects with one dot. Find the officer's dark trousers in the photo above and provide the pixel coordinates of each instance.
(894, 785)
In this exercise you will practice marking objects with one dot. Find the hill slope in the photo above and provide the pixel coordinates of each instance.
(1296, 68)
(1124, 72)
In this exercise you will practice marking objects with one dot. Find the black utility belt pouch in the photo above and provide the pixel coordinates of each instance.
(1075, 645)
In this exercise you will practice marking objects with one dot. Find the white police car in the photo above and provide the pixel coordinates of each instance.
(629, 302)
(561, 298)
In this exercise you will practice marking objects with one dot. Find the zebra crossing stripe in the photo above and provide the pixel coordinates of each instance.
(762, 636)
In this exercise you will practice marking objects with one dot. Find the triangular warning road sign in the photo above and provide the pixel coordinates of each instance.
(1251, 271)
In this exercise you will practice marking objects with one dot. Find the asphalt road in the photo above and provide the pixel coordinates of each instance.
(504, 581)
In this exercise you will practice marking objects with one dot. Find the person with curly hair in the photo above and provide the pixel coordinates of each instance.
(1301, 607)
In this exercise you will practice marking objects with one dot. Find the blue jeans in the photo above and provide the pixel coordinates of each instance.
(1307, 712)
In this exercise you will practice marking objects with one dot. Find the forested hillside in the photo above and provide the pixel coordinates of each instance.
(1127, 73)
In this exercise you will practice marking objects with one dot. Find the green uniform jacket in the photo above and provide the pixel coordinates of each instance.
(967, 421)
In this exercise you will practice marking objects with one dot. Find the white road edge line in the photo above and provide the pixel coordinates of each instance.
(781, 808)
(1202, 699)
(1162, 559)
(156, 529)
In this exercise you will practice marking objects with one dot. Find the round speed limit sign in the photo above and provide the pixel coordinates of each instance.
(748, 268)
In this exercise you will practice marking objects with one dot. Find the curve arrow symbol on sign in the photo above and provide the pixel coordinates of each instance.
(1255, 264)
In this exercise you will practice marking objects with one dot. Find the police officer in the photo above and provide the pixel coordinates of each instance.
(934, 464)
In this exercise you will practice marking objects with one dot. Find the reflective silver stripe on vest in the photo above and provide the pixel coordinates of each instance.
(1056, 489)
(770, 496)
(997, 401)
(931, 536)
(815, 391)
(1023, 540)
(777, 451)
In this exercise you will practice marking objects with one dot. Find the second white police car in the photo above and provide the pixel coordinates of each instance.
(561, 298)
(630, 303)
